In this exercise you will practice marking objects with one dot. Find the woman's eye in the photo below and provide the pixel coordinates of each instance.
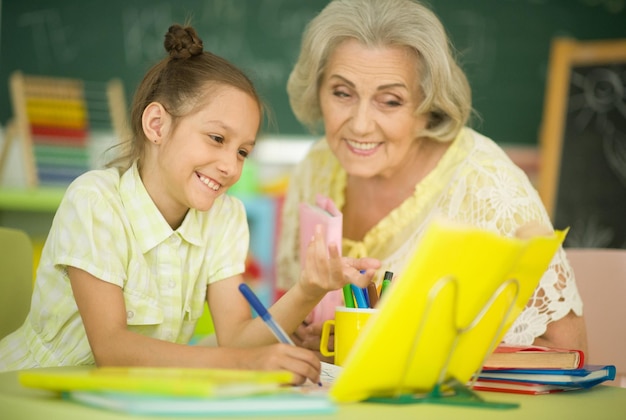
(340, 94)
(390, 100)
(393, 103)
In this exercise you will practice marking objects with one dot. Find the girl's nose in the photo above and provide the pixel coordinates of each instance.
(228, 163)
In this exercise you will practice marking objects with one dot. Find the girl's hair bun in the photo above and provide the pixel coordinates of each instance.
(182, 42)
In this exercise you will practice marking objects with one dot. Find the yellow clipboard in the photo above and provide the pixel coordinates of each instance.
(164, 381)
(459, 294)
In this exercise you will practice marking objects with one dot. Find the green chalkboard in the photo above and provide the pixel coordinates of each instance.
(583, 143)
(503, 44)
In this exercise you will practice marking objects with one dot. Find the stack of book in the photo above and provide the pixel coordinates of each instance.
(539, 370)
(181, 391)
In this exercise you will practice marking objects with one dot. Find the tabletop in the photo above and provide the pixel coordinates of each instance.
(601, 402)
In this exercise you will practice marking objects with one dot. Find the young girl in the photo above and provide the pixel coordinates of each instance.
(134, 250)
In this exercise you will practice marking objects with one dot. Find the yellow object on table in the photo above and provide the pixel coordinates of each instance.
(460, 292)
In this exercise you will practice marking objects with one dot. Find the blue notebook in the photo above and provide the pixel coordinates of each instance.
(585, 377)
(283, 403)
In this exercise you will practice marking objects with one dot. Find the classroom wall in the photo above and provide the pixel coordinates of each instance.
(503, 44)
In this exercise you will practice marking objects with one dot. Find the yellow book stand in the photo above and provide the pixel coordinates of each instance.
(449, 308)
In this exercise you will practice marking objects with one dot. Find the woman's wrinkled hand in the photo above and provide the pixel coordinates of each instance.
(308, 335)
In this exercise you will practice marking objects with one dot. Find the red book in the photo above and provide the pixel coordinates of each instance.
(496, 385)
(534, 357)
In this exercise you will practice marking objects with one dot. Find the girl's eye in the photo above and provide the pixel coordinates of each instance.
(244, 153)
(217, 138)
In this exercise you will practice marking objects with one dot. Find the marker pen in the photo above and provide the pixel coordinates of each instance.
(386, 282)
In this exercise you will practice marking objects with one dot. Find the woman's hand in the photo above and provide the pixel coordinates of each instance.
(308, 335)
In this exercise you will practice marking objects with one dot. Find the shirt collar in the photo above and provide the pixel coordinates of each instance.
(148, 224)
(191, 228)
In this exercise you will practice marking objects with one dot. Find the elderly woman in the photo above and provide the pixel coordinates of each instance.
(380, 79)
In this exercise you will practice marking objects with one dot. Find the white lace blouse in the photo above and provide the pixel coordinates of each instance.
(475, 183)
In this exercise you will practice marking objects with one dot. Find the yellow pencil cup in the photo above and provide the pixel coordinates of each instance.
(348, 323)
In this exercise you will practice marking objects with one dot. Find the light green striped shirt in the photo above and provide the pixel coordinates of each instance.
(108, 226)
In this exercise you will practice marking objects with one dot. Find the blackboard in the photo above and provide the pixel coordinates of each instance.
(503, 45)
(583, 144)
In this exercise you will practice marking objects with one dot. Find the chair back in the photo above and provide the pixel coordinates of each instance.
(601, 278)
(16, 278)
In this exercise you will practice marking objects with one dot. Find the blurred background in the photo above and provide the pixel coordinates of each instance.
(503, 45)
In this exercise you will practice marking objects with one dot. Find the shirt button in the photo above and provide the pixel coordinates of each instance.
(130, 314)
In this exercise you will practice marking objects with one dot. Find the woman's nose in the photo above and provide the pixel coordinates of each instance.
(362, 118)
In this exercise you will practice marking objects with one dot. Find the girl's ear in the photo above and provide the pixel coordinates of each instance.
(155, 122)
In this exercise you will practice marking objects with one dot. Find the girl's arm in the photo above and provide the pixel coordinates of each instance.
(102, 309)
(325, 271)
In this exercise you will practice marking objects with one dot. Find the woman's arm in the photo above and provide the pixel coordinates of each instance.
(568, 332)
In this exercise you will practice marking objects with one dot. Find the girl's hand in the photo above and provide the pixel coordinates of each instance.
(303, 363)
(325, 270)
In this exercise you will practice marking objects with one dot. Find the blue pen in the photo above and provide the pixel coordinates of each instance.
(359, 297)
(366, 295)
(365, 292)
(256, 304)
